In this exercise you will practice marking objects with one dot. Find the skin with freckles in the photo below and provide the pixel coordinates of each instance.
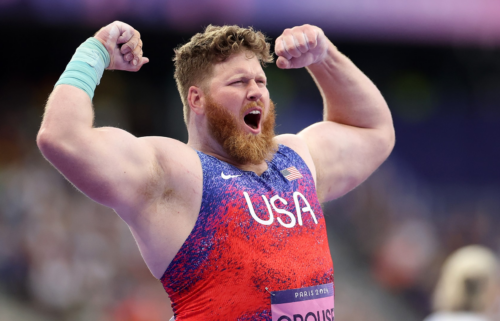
(155, 184)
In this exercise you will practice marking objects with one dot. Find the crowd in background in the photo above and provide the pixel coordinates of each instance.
(404, 230)
(62, 254)
(66, 257)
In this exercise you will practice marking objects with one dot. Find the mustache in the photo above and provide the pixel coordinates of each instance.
(244, 148)
(250, 105)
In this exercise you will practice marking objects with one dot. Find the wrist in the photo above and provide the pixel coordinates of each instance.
(86, 67)
(102, 41)
(330, 59)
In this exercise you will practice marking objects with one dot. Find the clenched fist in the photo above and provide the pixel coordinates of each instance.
(128, 56)
(300, 47)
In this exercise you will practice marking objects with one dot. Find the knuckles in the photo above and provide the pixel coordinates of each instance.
(129, 52)
(302, 46)
(311, 42)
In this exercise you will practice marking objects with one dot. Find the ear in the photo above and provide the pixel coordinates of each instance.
(196, 100)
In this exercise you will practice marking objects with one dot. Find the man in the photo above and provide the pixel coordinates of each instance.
(230, 222)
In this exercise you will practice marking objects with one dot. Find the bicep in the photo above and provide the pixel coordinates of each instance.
(109, 165)
(344, 156)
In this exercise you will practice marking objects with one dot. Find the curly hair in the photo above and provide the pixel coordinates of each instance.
(194, 60)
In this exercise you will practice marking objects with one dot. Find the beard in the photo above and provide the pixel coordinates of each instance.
(242, 147)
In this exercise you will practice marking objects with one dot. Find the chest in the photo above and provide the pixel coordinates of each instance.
(274, 199)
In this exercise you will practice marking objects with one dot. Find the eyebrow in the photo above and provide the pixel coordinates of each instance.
(244, 73)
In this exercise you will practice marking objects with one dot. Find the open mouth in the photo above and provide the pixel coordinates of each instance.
(252, 119)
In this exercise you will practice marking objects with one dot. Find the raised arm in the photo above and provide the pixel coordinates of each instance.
(357, 133)
(109, 165)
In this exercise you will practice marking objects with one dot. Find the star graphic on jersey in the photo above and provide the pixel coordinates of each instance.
(224, 176)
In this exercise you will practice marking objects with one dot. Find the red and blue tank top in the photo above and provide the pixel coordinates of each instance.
(254, 236)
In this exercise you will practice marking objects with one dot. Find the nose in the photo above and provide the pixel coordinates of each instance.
(254, 91)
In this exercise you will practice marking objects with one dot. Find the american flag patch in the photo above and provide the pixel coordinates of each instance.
(291, 173)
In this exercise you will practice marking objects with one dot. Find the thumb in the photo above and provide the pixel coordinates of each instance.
(124, 37)
(125, 33)
(283, 63)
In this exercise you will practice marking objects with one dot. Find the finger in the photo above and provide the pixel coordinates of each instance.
(301, 42)
(311, 38)
(279, 49)
(128, 57)
(137, 55)
(283, 63)
(131, 44)
(137, 67)
(282, 48)
(290, 46)
(126, 32)
(144, 61)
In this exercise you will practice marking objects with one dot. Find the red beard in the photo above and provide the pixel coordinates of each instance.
(244, 148)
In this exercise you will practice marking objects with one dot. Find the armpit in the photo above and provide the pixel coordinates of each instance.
(155, 182)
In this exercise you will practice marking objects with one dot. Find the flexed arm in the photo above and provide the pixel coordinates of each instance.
(107, 164)
(357, 133)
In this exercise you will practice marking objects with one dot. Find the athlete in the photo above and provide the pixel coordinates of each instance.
(230, 222)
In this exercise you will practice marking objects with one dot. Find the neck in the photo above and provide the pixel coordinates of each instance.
(200, 139)
(209, 146)
(220, 154)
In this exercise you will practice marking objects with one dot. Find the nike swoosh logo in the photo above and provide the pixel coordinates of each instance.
(228, 176)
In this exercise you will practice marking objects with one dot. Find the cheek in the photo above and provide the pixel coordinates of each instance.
(233, 101)
(228, 95)
(265, 94)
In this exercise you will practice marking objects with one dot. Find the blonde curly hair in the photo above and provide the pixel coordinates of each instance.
(194, 60)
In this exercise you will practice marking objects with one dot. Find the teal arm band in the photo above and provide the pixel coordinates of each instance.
(86, 67)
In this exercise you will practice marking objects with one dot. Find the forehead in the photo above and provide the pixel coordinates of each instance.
(245, 63)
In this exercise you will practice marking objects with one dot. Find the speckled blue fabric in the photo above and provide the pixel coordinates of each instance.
(252, 233)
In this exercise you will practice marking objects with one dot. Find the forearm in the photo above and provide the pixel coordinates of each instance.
(69, 113)
(68, 110)
(349, 96)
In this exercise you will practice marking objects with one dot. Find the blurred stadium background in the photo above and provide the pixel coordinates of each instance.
(437, 62)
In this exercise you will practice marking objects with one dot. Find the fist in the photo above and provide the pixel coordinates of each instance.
(124, 45)
(300, 47)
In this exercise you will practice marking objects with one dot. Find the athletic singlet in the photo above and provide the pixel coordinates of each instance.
(254, 235)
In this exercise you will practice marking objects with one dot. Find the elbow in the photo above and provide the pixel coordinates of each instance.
(388, 140)
(49, 143)
(43, 140)
(391, 138)
(383, 142)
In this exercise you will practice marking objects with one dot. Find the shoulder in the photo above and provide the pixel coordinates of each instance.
(171, 152)
(298, 145)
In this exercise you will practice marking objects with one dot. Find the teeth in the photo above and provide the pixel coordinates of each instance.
(254, 112)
